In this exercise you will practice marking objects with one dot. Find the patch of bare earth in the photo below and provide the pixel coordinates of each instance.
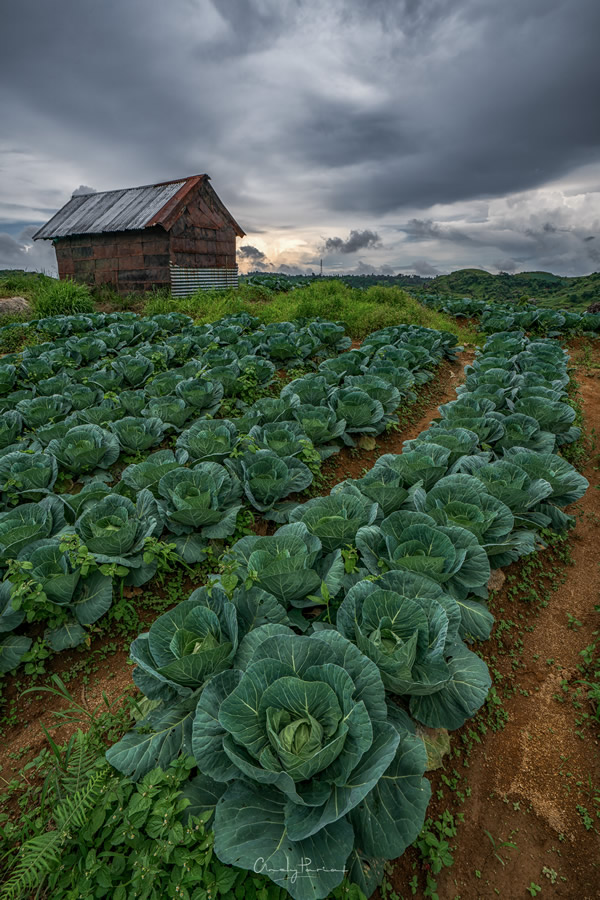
(526, 781)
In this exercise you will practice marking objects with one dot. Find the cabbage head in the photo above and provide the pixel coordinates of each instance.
(27, 523)
(85, 448)
(208, 440)
(409, 627)
(511, 484)
(115, 529)
(164, 384)
(282, 438)
(177, 657)
(202, 394)
(321, 426)
(84, 598)
(307, 760)
(132, 402)
(172, 412)
(335, 519)
(523, 431)
(134, 370)
(413, 541)
(267, 479)
(27, 476)
(289, 564)
(136, 434)
(8, 378)
(58, 384)
(377, 388)
(103, 414)
(147, 474)
(461, 500)
(200, 504)
(459, 441)
(424, 465)
(312, 389)
(362, 413)
(43, 410)
(11, 425)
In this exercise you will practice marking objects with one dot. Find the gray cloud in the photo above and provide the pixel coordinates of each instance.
(357, 240)
(251, 253)
(506, 265)
(21, 252)
(422, 267)
(83, 190)
(418, 111)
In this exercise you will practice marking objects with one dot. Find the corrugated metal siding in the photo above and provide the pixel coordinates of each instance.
(124, 210)
(186, 281)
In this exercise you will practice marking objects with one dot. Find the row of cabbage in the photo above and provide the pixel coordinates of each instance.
(497, 316)
(308, 746)
(71, 546)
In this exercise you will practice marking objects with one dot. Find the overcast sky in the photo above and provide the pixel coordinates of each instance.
(380, 135)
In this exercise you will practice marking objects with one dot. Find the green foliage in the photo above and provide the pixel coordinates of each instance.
(361, 311)
(66, 297)
(550, 290)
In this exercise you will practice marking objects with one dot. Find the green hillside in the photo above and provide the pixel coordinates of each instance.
(549, 290)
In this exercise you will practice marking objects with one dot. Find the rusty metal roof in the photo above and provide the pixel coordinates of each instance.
(124, 210)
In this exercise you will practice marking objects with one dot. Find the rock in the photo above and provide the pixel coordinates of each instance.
(12, 305)
(594, 307)
(496, 580)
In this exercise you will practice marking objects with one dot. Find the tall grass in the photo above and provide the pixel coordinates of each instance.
(47, 296)
(61, 298)
(361, 311)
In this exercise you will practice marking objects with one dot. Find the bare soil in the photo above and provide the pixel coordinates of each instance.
(530, 783)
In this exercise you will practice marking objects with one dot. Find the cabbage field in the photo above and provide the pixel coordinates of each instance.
(498, 316)
(301, 680)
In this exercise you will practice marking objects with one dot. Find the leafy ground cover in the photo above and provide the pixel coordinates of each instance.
(498, 316)
(427, 491)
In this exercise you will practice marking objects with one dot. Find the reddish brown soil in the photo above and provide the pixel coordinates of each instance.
(526, 780)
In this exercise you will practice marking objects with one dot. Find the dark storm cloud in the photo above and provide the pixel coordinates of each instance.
(251, 253)
(357, 240)
(319, 112)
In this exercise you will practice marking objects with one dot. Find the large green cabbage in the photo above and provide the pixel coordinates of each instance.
(410, 629)
(414, 541)
(85, 448)
(290, 565)
(307, 762)
(267, 479)
(200, 504)
(208, 440)
(115, 530)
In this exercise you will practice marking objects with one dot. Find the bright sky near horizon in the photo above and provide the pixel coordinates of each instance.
(380, 135)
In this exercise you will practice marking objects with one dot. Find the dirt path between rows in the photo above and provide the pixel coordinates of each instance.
(535, 783)
(23, 739)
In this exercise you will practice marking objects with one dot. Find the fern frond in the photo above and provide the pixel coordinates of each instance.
(72, 811)
(36, 860)
(40, 855)
(79, 766)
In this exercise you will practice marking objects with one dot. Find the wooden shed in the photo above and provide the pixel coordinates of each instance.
(176, 234)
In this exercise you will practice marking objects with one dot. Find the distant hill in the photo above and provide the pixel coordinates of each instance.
(549, 290)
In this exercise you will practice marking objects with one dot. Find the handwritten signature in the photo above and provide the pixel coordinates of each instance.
(304, 869)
